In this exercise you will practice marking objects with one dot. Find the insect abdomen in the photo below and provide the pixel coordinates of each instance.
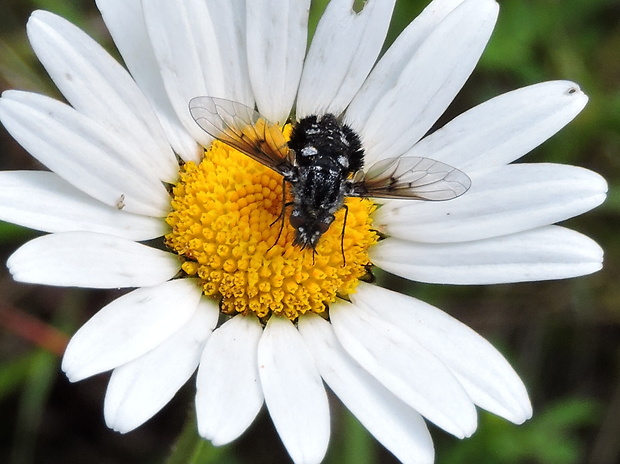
(323, 137)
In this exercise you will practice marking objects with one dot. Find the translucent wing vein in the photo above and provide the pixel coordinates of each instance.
(411, 177)
(242, 128)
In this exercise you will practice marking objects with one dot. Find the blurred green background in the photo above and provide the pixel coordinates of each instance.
(563, 337)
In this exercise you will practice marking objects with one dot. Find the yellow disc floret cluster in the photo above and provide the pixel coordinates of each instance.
(226, 223)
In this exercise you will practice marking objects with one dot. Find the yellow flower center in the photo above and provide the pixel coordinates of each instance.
(226, 223)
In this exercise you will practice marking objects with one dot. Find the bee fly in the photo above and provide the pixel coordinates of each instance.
(323, 163)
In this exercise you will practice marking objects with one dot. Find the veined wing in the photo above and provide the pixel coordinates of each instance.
(410, 177)
(242, 128)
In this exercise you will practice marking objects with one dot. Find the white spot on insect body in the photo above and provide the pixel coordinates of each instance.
(309, 151)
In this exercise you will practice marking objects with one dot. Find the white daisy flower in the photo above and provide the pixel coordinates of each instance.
(262, 319)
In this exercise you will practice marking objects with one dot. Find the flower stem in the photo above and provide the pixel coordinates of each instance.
(191, 448)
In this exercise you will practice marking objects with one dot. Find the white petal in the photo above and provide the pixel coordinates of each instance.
(229, 21)
(186, 48)
(91, 260)
(545, 253)
(294, 392)
(504, 128)
(428, 83)
(484, 373)
(388, 69)
(125, 21)
(397, 426)
(343, 50)
(405, 367)
(129, 327)
(82, 152)
(229, 394)
(41, 200)
(501, 201)
(140, 388)
(97, 85)
(277, 33)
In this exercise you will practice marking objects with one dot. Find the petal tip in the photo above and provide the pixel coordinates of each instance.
(37, 19)
(72, 368)
(71, 374)
(573, 90)
(114, 424)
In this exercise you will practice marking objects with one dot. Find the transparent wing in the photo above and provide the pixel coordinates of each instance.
(242, 128)
(409, 177)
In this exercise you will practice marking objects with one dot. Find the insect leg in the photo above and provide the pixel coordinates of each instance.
(284, 204)
(344, 224)
(281, 215)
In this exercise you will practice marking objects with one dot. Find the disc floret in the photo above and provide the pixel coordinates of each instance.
(227, 226)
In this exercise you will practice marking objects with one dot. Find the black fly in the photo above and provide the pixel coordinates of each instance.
(323, 163)
(327, 154)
